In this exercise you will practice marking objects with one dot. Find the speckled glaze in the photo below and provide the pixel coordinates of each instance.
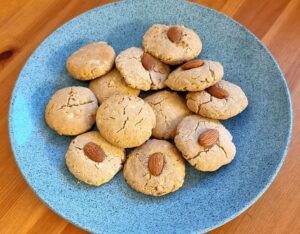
(261, 133)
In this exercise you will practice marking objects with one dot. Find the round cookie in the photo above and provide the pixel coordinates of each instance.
(71, 111)
(110, 84)
(187, 46)
(195, 79)
(138, 175)
(169, 109)
(205, 103)
(91, 61)
(125, 121)
(201, 157)
(85, 168)
(137, 71)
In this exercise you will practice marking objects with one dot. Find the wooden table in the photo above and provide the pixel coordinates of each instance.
(24, 24)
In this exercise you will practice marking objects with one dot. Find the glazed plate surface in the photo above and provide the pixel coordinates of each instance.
(206, 200)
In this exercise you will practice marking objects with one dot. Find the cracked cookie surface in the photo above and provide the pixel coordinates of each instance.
(209, 106)
(87, 170)
(169, 109)
(204, 159)
(129, 63)
(91, 61)
(138, 176)
(195, 79)
(110, 84)
(157, 43)
(125, 120)
(72, 110)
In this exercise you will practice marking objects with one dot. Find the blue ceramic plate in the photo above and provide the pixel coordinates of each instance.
(261, 133)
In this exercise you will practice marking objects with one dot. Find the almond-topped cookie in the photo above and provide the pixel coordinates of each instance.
(155, 168)
(93, 160)
(195, 75)
(221, 101)
(141, 70)
(172, 44)
(206, 144)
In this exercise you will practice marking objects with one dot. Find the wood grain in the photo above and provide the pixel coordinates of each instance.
(24, 24)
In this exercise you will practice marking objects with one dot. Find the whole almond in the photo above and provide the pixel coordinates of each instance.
(208, 137)
(174, 34)
(148, 61)
(156, 163)
(192, 64)
(94, 152)
(217, 92)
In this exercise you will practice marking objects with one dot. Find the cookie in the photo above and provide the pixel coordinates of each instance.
(155, 168)
(140, 70)
(195, 78)
(169, 109)
(125, 120)
(221, 101)
(91, 159)
(206, 144)
(71, 111)
(110, 84)
(91, 61)
(172, 44)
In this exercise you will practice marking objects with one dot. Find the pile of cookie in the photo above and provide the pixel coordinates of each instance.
(167, 61)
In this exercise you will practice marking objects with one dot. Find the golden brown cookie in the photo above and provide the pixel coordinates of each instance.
(140, 70)
(155, 168)
(169, 109)
(93, 160)
(221, 101)
(110, 84)
(172, 44)
(125, 121)
(71, 111)
(206, 144)
(91, 61)
(195, 78)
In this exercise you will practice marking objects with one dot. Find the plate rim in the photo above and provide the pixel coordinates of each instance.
(225, 220)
